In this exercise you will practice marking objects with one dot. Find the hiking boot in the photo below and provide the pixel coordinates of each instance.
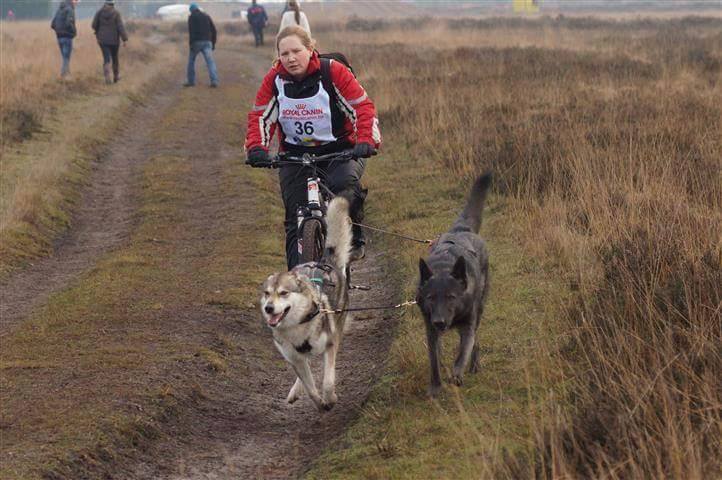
(189, 84)
(214, 85)
(357, 252)
(358, 243)
(107, 73)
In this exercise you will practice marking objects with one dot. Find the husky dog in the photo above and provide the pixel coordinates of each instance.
(295, 306)
(453, 286)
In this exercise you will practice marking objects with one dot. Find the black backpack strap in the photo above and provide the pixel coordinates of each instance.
(337, 116)
(326, 80)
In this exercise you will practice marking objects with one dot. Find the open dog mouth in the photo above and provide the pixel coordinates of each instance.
(274, 320)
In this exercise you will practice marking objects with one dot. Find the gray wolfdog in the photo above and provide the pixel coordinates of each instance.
(453, 286)
(295, 306)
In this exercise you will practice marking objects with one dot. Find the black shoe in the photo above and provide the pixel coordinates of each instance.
(189, 84)
(357, 252)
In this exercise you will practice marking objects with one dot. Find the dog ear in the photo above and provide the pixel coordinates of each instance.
(459, 271)
(425, 272)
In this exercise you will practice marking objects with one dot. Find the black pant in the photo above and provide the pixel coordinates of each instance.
(342, 178)
(258, 35)
(110, 53)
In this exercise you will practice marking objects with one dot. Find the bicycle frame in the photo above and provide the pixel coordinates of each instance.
(316, 200)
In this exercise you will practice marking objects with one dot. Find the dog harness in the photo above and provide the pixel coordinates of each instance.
(451, 242)
(318, 282)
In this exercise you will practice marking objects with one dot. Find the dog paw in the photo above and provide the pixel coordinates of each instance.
(474, 368)
(457, 380)
(330, 398)
(328, 401)
(291, 398)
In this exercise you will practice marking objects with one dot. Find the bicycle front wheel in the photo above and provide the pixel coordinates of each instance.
(313, 241)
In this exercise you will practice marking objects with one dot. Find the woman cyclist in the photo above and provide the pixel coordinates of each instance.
(311, 119)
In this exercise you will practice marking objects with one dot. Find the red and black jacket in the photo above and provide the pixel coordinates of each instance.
(353, 113)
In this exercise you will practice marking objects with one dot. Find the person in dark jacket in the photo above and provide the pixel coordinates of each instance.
(257, 18)
(109, 30)
(202, 37)
(64, 25)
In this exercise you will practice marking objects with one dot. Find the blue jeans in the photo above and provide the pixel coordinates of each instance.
(206, 48)
(66, 48)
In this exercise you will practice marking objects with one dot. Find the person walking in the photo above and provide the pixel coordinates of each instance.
(293, 15)
(316, 106)
(202, 36)
(257, 18)
(64, 25)
(109, 30)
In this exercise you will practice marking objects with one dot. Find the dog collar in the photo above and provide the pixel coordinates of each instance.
(310, 316)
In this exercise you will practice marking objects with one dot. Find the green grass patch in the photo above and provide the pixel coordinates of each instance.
(463, 434)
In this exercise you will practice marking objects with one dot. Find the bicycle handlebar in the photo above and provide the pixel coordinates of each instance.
(283, 158)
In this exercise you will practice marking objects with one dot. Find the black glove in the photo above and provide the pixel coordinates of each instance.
(257, 157)
(363, 150)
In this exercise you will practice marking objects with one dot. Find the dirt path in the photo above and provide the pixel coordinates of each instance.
(247, 430)
(102, 221)
(237, 425)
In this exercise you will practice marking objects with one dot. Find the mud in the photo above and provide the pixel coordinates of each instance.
(239, 425)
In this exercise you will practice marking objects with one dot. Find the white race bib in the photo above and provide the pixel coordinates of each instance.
(305, 121)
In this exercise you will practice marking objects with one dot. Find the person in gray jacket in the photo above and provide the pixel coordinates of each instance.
(64, 25)
(109, 30)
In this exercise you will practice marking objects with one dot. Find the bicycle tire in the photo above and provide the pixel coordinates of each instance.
(313, 241)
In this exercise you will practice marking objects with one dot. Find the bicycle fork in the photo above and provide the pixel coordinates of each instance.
(311, 209)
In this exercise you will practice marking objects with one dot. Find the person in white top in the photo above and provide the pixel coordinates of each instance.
(294, 16)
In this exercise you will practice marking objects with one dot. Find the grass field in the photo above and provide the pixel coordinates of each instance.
(601, 341)
(606, 139)
(51, 130)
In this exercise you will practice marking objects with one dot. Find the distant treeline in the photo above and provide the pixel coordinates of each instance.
(559, 21)
(26, 8)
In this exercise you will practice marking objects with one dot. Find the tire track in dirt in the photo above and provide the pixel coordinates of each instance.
(103, 218)
(239, 423)
(243, 422)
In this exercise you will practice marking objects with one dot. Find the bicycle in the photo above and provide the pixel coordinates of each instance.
(311, 217)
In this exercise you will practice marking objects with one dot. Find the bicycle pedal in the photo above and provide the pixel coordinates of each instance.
(360, 287)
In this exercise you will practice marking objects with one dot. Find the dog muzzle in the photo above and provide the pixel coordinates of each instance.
(274, 319)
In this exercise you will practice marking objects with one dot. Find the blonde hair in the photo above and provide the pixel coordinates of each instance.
(302, 35)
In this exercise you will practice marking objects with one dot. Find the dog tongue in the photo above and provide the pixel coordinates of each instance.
(275, 319)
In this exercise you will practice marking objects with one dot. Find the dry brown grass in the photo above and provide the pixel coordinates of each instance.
(30, 67)
(608, 138)
(51, 130)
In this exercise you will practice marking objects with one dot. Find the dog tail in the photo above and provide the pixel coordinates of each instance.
(338, 240)
(470, 218)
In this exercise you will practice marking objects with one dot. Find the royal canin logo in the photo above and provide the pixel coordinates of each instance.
(301, 111)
